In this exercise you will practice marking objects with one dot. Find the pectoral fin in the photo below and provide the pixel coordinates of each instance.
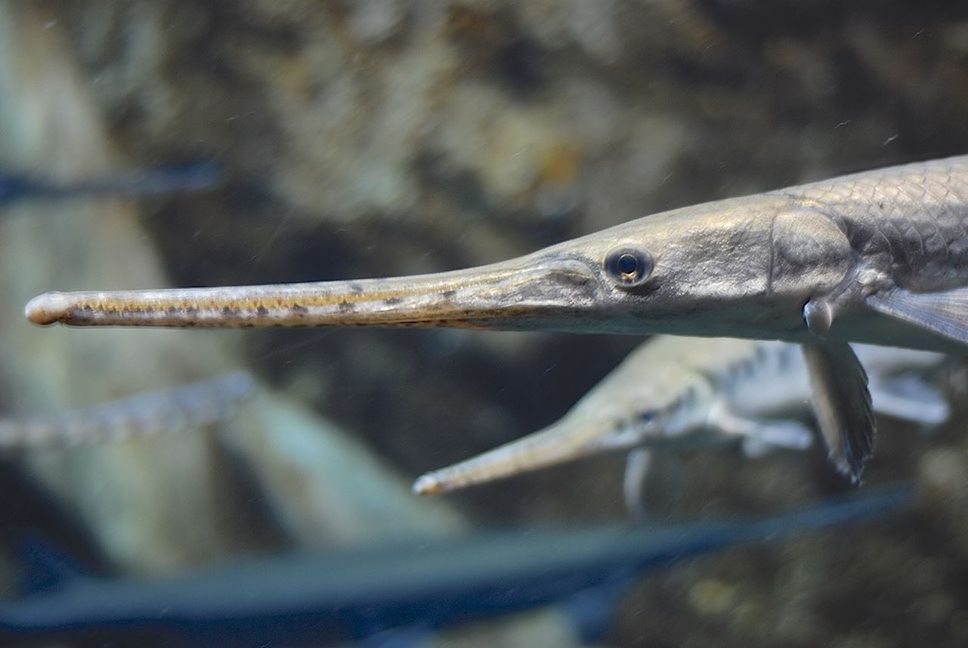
(759, 435)
(842, 404)
(637, 465)
(944, 313)
(909, 398)
(654, 482)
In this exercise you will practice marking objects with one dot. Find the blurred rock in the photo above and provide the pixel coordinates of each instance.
(326, 488)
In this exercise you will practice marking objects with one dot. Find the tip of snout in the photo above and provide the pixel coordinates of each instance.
(47, 309)
(428, 485)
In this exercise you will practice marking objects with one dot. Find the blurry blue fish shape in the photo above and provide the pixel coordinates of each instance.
(393, 595)
(197, 176)
(33, 518)
(190, 406)
(674, 392)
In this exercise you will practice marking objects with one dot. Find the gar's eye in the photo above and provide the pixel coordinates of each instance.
(628, 266)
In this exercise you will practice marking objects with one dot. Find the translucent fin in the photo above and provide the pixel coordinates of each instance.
(654, 482)
(637, 465)
(909, 398)
(944, 313)
(782, 433)
(785, 433)
(842, 404)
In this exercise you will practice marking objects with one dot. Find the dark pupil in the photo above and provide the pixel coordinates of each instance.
(628, 264)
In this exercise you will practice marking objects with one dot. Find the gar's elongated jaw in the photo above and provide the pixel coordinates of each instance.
(544, 290)
(573, 437)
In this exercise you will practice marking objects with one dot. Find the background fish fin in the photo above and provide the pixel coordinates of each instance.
(654, 481)
(759, 435)
(785, 433)
(944, 313)
(909, 398)
(842, 404)
(637, 464)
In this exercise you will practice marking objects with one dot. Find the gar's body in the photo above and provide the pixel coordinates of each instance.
(878, 257)
(674, 392)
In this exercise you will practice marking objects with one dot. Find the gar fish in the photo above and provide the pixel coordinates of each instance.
(674, 392)
(384, 595)
(189, 177)
(189, 406)
(878, 257)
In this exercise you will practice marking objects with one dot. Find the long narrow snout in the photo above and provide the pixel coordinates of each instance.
(509, 295)
(569, 439)
(663, 273)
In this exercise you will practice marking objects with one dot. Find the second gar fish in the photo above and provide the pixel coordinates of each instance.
(674, 392)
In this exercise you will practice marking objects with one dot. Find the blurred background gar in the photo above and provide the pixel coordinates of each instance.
(175, 143)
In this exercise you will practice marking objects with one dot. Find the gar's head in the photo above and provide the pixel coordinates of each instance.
(657, 395)
(649, 399)
(706, 270)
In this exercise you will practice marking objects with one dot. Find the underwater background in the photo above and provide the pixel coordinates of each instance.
(389, 137)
